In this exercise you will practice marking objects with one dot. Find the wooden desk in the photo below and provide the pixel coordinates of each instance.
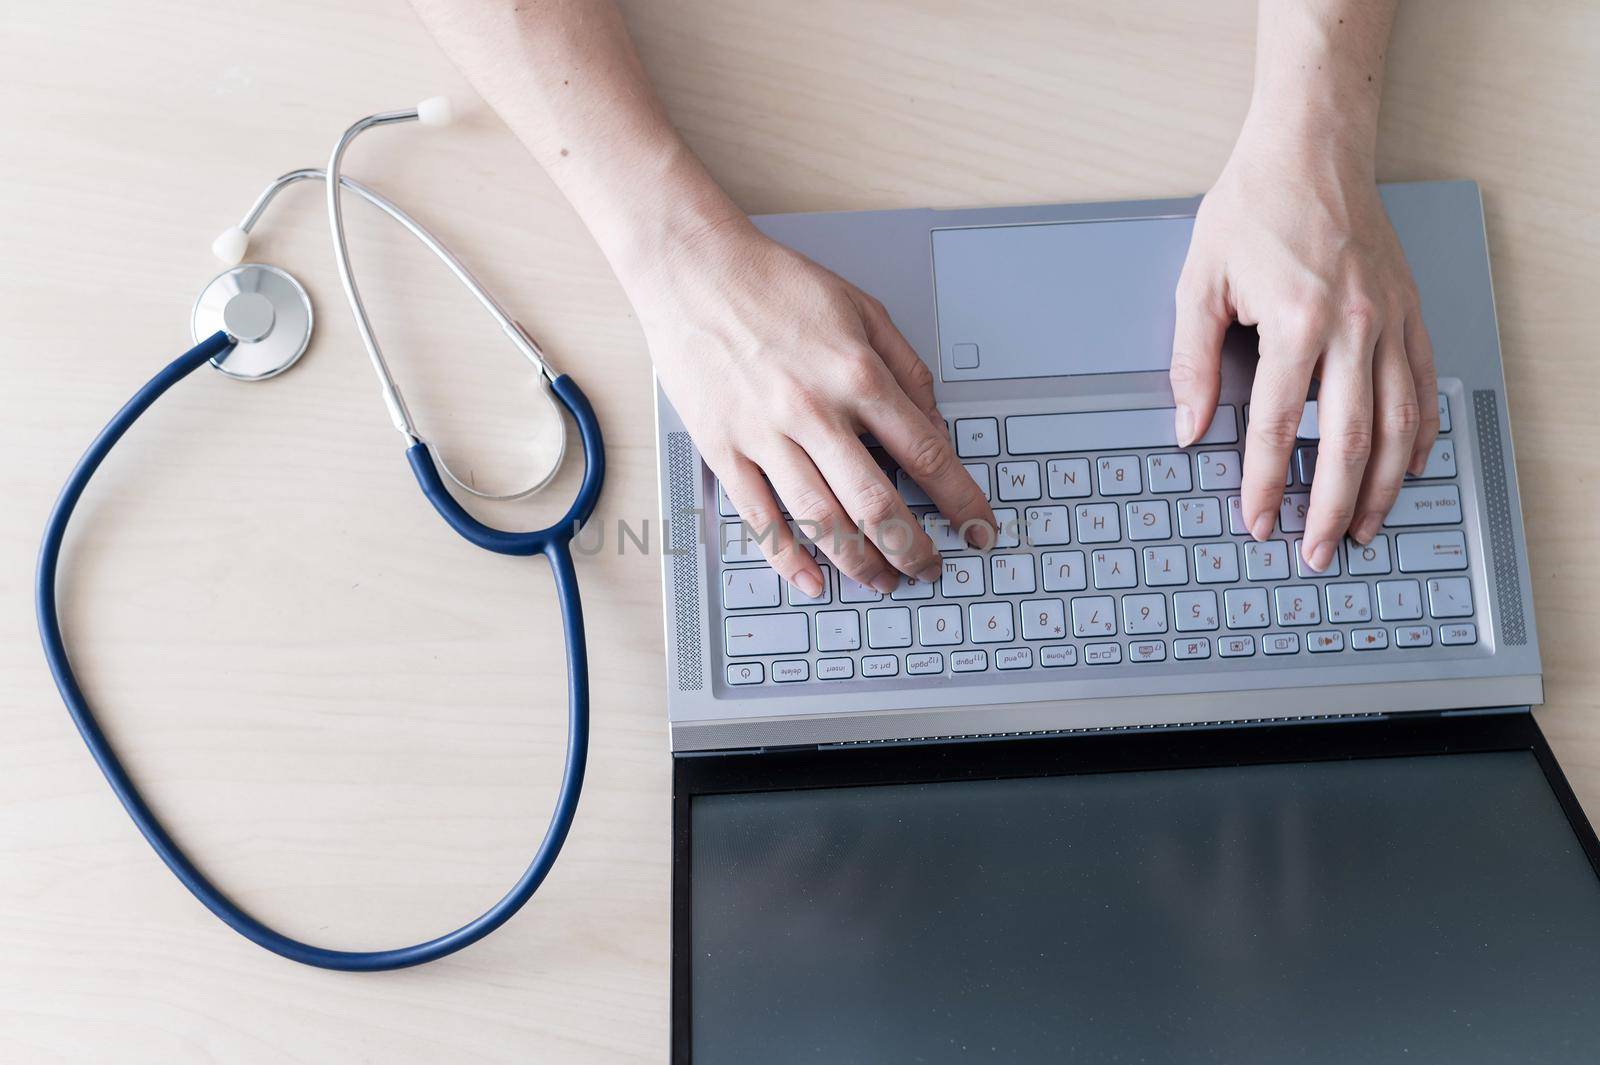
(351, 716)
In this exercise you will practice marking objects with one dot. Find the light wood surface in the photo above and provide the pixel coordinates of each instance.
(354, 719)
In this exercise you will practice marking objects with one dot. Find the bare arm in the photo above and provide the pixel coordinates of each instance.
(1293, 239)
(775, 364)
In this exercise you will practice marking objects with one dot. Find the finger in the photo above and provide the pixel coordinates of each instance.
(925, 453)
(751, 496)
(1425, 382)
(1396, 417)
(872, 503)
(822, 518)
(1283, 375)
(1196, 372)
(907, 367)
(1344, 422)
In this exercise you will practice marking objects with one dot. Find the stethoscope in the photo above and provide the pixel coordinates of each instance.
(253, 322)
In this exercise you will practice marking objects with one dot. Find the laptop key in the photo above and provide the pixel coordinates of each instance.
(1428, 552)
(791, 671)
(1349, 602)
(749, 588)
(1199, 517)
(1450, 597)
(1064, 571)
(1324, 641)
(1369, 639)
(924, 664)
(741, 673)
(1018, 481)
(1102, 654)
(969, 661)
(939, 626)
(1169, 473)
(1425, 504)
(1194, 611)
(1413, 636)
(1043, 619)
(1236, 646)
(1046, 526)
(766, 634)
(977, 438)
(1297, 604)
(888, 627)
(1013, 658)
(835, 669)
(880, 666)
(1367, 560)
(1219, 470)
(1068, 478)
(1147, 651)
(1118, 475)
(1058, 657)
(1399, 600)
(990, 622)
(838, 630)
(1115, 568)
(1094, 615)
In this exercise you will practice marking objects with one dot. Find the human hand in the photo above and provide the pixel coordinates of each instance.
(777, 366)
(1293, 239)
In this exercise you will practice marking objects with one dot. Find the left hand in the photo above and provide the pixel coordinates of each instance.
(1293, 239)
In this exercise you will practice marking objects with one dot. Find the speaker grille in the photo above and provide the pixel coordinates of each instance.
(1497, 512)
(683, 468)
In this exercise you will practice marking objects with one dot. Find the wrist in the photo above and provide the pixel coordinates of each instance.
(668, 205)
(1304, 136)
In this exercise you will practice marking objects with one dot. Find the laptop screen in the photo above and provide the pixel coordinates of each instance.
(1312, 912)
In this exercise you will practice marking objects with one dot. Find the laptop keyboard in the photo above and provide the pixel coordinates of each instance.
(1114, 551)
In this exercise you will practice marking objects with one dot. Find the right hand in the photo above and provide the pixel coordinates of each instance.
(777, 366)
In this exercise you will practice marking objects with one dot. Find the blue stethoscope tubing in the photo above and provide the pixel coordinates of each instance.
(554, 542)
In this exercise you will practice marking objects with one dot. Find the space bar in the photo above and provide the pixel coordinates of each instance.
(1109, 430)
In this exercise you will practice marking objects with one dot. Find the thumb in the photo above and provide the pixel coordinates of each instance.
(1196, 372)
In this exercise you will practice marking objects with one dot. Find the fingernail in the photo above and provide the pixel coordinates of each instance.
(1319, 556)
(809, 583)
(978, 534)
(1418, 463)
(1262, 527)
(886, 582)
(1185, 425)
(1366, 528)
(930, 573)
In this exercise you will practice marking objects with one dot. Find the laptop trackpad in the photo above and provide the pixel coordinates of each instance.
(1434, 908)
(1058, 298)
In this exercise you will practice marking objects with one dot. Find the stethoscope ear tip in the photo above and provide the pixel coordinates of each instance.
(230, 246)
(435, 111)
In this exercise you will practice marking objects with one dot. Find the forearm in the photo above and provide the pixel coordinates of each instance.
(564, 76)
(1319, 74)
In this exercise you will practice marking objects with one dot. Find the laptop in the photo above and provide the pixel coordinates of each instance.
(1129, 786)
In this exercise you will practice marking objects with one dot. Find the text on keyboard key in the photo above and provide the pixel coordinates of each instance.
(1426, 504)
(977, 438)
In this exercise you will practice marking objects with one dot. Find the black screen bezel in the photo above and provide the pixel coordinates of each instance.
(794, 769)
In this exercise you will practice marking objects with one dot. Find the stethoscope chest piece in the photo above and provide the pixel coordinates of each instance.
(265, 310)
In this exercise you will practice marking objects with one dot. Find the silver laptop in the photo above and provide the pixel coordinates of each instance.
(1127, 593)
(1124, 621)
